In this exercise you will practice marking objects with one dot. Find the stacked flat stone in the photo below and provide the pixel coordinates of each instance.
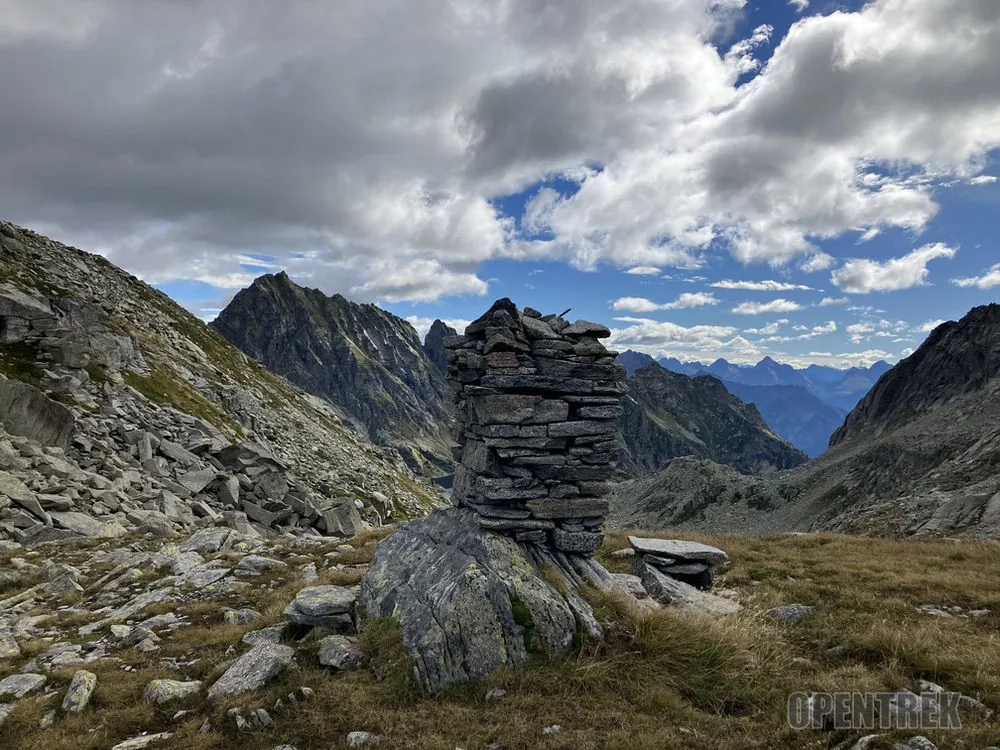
(690, 562)
(538, 402)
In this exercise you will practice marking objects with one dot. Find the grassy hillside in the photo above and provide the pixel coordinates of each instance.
(668, 680)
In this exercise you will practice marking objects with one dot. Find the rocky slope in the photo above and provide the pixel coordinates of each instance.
(434, 343)
(667, 415)
(120, 410)
(366, 361)
(919, 455)
(956, 359)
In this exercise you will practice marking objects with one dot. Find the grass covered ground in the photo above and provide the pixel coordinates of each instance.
(667, 680)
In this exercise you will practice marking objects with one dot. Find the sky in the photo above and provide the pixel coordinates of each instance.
(814, 181)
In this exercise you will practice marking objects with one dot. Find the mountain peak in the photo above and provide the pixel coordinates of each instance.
(434, 343)
(351, 354)
(955, 359)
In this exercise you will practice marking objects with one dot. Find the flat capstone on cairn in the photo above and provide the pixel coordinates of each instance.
(538, 402)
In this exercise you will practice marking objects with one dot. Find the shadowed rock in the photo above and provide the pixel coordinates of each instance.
(26, 411)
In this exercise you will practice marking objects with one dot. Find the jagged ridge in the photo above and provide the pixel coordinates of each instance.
(361, 358)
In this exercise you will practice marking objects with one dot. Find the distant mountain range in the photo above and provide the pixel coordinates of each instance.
(667, 415)
(803, 405)
(920, 454)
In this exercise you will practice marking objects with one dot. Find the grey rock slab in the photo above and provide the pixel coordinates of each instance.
(164, 691)
(206, 540)
(254, 565)
(78, 523)
(678, 549)
(681, 595)
(253, 670)
(361, 739)
(242, 616)
(586, 328)
(202, 576)
(340, 652)
(19, 685)
(8, 645)
(789, 612)
(915, 743)
(26, 411)
(198, 480)
(452, 587)
(143, 741)
(265, 635)
(323, 606)
(78, 694)
(343, 520)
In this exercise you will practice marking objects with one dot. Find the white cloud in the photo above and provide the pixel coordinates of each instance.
(634, 304)
(775, 306)
(930, 325)
(664, 339)
(860, 328)
(419, 280)
(644, 271)
(768, 285)
(861, 276)
(769, 330)
(423, 324)
(866, 358)
(833, 301)
(989, 279)
(817, 262)
(684, 301)
(799, 5)
(808, 333)
(984, 179)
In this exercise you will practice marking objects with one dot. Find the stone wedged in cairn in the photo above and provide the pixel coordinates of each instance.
(538, 402)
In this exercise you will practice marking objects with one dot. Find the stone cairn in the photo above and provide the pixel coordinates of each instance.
(538, 403)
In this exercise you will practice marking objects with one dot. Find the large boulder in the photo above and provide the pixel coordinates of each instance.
(470, 601)
(26, 411)
(253, 670)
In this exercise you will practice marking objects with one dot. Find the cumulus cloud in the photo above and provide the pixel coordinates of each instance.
(983, 179)
(807, 333)
(861, 276)
(989, 279)
(769, 330)
(833, 301)
(817, 262)
(774, 306)
(686, 300)
(423, 324)
(768, 285)
(644, 271)
(665, 339)
(350, 145)
(930, 325)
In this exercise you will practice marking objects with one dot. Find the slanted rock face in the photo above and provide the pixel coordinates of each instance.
(26, 411)
(538, 402)
(470, 601)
